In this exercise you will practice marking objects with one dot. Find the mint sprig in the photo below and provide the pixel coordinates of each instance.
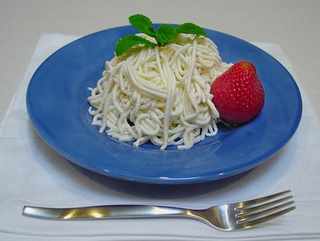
(164, 35)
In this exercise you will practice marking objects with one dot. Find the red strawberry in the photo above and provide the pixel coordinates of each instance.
(238, 93)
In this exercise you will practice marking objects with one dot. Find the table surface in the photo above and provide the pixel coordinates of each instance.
(293, 24)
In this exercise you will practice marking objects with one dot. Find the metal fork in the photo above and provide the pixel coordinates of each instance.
(227, 217)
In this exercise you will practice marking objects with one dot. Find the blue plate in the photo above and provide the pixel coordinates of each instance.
(58, 108)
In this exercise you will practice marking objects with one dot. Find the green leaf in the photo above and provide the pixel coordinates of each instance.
(142, 24)
(191, 28)
(166, 34)
(128, 42)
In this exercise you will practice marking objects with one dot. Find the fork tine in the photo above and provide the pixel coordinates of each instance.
(263, 219)
(254, 215)
(261, 200)
(248, 210)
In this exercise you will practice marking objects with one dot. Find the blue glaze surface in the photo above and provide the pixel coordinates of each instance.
(58, 108)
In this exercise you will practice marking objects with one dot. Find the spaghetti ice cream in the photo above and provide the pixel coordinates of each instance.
(160, 94)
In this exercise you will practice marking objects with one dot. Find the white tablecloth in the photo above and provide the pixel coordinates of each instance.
(31, 173)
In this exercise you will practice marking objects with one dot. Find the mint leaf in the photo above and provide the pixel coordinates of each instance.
(128, 42)
(166, 34)
(191, 28)
(142, 24)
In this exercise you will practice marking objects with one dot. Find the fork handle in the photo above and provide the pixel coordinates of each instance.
(105, 212)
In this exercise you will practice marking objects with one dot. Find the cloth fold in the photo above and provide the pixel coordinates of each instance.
(31, 173)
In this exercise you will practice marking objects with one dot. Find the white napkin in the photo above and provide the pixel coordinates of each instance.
(31, 173)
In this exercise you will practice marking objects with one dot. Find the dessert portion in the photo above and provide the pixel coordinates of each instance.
(169, 86)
